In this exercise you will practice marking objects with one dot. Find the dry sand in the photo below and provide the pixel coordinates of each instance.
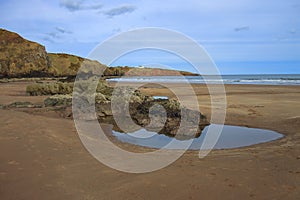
(42, 157)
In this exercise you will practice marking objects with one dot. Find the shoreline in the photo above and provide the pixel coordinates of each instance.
(245, 79)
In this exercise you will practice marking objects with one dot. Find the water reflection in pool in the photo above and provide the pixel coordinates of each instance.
(231, 137)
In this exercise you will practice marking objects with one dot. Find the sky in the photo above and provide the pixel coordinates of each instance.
(241, 36)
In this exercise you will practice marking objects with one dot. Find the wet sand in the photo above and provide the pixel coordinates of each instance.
(42, 157)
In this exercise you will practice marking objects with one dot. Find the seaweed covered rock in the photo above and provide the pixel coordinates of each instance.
(58, 100)
(52, 88)
(22, 104)
(177, 120)
(39, 89)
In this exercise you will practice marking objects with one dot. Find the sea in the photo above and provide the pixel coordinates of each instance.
(264, 79)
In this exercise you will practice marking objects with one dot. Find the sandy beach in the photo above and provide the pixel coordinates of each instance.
(42, 156)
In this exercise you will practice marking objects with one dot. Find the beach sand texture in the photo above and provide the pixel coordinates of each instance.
(42, 156)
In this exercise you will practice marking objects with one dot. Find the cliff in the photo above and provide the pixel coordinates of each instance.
(67, 65)
(23, 58)
(20, 57)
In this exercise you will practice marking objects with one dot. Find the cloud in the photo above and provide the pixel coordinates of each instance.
(62, 30)
(242, 28)
(47, 39)
(292, 31)
(120, 10)
(56, 34)
(71, 5)
(77, 5)
(53, 35)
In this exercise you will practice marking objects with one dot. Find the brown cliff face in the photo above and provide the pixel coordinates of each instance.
(64, 64)
(23, 58)
(20, 57)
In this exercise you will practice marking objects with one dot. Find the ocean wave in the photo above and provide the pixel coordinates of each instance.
(226, 79)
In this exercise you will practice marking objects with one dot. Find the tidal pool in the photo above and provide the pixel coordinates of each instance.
(231, 137)
(160, 97)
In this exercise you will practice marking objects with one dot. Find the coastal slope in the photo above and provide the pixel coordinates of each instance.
(23, 58)
(20, 57)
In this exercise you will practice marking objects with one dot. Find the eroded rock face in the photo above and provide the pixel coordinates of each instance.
(23, 58)
(20, 57)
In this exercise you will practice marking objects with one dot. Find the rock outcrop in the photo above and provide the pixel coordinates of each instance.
(165, 116)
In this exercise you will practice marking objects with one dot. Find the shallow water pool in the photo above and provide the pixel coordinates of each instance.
(231, 137)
